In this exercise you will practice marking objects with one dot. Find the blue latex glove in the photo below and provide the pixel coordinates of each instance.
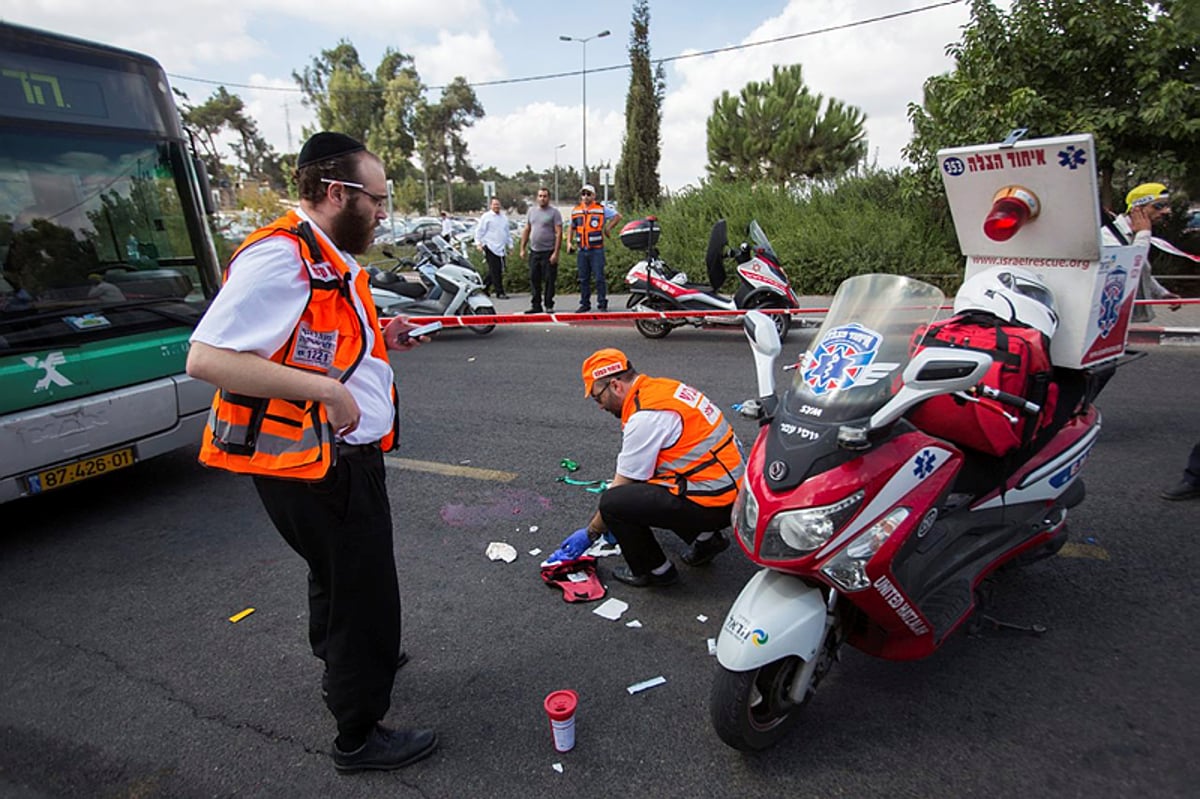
(572, 546)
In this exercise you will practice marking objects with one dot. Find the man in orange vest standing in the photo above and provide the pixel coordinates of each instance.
(591, 224)
(306, 404)
(679, 469)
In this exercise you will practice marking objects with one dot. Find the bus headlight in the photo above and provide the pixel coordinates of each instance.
(793, 533)
(848, 568)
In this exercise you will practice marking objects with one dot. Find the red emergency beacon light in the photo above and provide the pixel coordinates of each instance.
(1012, 207)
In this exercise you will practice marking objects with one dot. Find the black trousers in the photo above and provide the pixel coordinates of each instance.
(495, 275)
(540, 269)
(342, 527)
(631, 510)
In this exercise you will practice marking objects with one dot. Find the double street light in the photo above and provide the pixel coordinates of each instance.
(583, 41)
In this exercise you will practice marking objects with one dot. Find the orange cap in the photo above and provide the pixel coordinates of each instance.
(602, 363)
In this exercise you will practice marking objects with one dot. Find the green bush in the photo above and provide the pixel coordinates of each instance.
(823, 233)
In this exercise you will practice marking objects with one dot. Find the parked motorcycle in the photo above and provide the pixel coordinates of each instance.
(448, 286)
(655, 286)
(872, 532)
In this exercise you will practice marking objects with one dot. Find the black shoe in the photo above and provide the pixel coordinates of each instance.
(534, 310)
(1185, 490)
(386, 750)
(583, 309)
(623, 574)
(702, 552)
(502, 296)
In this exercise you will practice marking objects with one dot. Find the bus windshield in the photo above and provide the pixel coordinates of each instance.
(88, 225)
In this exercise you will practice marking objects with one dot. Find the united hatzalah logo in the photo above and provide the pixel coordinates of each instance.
(777, 470)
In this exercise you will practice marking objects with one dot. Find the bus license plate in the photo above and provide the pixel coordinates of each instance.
(94, 466)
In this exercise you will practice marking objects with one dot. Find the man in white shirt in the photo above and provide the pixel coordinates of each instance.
(293, 331)
(492, 237)
(1145, 205)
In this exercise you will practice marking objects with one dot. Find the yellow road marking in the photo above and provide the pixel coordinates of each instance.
(449, 470)
(1071, 550)
(235, 618)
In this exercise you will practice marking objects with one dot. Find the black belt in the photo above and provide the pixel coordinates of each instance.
(344, 449)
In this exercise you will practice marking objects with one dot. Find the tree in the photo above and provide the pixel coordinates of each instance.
(641, 150)
(1125, 71)
(778, 131)
(439, 128)
(379, 109)
(224, 112)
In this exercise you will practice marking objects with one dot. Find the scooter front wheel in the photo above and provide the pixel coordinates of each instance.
(783, 321)
(483, 310)
(752, 710)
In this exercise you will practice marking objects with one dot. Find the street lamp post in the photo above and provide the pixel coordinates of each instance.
(556, 149)
(584, 42)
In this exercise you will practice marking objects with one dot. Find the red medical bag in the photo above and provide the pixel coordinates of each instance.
(1020, 365)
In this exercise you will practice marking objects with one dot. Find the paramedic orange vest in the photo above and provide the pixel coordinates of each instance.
(587, 221)
(293, 438)
(704, 464)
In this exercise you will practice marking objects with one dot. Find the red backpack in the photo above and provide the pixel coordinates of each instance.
(1021, 366)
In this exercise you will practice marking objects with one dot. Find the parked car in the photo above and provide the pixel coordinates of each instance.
(421, 229)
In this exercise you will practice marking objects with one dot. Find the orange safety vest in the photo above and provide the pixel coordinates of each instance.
(293, 438)
(704, 464)
(587, 222)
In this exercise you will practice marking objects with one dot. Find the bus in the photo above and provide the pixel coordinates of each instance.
(107, 263)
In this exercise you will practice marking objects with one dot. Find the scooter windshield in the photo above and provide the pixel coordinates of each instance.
(854, 362)
(760, 241)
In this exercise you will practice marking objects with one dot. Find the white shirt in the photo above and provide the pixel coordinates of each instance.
(493, 232)
(646, 433)
(259, 307)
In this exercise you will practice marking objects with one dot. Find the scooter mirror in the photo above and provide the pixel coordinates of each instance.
(764, 342)
(933, 371)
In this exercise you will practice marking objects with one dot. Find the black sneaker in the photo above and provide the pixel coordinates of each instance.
(534, 310)
(385, 750)
(583, 309)
(702, 552)
(1185, 490)
(623, 574)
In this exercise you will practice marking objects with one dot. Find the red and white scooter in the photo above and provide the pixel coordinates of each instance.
(655, 286)
(870, 531)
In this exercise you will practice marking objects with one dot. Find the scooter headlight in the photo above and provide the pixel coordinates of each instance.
(745, 516)
(848, 568)
(793, 533)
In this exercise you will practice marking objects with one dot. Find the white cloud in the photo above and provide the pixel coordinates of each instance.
(472, 55)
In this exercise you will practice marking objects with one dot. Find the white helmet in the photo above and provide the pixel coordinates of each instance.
(1012, 294)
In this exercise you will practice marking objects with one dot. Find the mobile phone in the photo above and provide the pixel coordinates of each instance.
(423, 330)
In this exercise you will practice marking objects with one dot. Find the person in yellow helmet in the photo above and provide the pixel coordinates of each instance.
(1145, 205)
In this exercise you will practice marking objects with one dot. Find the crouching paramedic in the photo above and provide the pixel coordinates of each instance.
(307, 406)
(679, 469)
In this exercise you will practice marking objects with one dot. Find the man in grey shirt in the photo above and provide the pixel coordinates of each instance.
(542, 237)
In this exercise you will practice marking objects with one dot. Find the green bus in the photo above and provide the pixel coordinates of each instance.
(107, 263)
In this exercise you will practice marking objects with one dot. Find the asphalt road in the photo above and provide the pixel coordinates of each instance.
(123, 676)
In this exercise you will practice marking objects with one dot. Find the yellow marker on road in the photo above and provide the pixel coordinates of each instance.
(450, 470)
(1072, 550)
(235, 618)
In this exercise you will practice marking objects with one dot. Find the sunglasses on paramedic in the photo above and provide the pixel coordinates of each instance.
(379, 199)
(1161, 205)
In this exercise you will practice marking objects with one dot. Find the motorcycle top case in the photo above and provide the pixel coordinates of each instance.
(1020, 365)
(641, 234)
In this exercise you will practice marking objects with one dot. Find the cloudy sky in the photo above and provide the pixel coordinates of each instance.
(258, 43)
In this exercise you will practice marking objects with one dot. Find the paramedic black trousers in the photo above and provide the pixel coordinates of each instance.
(630, 510)
(342, 527)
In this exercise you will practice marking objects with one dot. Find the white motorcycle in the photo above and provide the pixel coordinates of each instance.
(449, 286)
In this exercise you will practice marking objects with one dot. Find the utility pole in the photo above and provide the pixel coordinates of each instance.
(584, 42)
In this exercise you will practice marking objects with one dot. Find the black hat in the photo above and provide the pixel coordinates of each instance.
(326, 145)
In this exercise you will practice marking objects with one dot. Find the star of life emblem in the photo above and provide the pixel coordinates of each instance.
(842, 360)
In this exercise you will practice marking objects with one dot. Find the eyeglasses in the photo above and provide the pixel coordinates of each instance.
(1160, 206)
(585, 194)
(380, 199)
(607, 385)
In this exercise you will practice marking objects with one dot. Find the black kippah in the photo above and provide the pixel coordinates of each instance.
(326, 145)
